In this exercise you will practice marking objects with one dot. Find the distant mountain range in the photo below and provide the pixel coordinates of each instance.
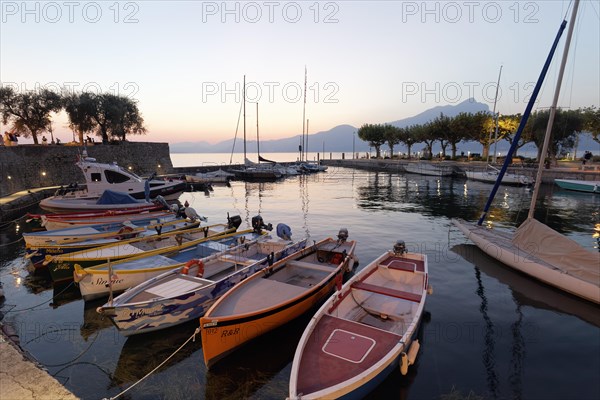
(341, 138)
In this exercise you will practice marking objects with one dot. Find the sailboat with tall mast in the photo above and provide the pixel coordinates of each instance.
(534, 248)
(254, 171)
(490, 174)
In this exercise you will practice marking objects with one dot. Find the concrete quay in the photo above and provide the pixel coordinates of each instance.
(564, 170)
(22, 378)
(17, 204)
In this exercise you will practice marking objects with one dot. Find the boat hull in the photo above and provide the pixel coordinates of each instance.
(491, 177)
(58, 205)
(578, 185)
(500, 247)
(221, 338)
(228, 327)
(428, 169)
(359, 335)
(143, 317)
(61, 268)
(93, 280)
(60, 223)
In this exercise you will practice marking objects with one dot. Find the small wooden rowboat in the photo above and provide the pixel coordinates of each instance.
(93, 214)
(190, 288)
(172, 240)
(52, 223)
(274, 296)
(68, 240)
(131, 271)
(81, 233)
(364, 330)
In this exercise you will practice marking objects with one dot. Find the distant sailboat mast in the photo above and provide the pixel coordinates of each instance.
(306, 147)
(244, 100)
(302, 147)
(257, 138)
(496, 116)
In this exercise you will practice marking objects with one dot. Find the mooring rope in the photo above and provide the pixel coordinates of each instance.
(46, 301)
(16, 241)
(197, 331)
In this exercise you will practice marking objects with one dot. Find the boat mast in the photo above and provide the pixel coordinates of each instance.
(244, 102)
(257, 138)
(496, 116)
(524, 119)
(544, 153)
(302, 148)
(306, 148)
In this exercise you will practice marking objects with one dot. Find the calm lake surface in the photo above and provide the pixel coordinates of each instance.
(488, 331)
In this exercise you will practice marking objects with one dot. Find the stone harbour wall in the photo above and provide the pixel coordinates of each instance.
(25, 167)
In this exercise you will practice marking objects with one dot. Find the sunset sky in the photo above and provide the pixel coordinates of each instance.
(184, 62)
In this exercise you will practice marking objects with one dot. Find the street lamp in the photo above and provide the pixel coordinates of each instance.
(353, 152)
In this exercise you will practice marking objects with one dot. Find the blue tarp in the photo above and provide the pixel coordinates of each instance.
(110, 197)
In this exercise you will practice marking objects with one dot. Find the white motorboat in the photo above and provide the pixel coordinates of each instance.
(101, 177)
(432, 169)
(490, 175)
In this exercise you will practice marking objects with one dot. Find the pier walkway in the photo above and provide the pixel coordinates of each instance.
(21, 378)
(16, 204)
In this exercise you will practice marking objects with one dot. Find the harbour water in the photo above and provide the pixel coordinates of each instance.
(488, 332)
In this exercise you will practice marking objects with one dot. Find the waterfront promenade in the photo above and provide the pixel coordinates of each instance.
(23, 379)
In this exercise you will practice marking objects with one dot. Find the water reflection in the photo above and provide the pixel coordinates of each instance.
(248, 370)
(396, 385)
(142, 353)
(422, 194)
(526, 291)
(93, 322)
(488, 355)
(64, 293)
(517, 355)
(304, 202)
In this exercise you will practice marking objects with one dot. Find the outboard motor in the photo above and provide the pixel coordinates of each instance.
(180, 212)
(399, 248)
(193, 215)
(161, 200)
(343, 235)
(258, 224)
(284, 231)
(234, 222)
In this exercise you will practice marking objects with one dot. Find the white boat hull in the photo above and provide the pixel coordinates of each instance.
(492, 176)
(363, 331)
(133, 318)
(428, 169)
(499, 246)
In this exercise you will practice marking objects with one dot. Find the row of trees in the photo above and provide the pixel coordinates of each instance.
(481, 127)
(106, 115)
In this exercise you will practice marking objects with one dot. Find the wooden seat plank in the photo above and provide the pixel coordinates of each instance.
(387, 291)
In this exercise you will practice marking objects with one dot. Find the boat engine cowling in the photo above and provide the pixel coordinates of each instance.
(193, 215)
(343, 235)
(161, 200)
(284, 231)
(234, 222)
(400, 247)
(258, 224)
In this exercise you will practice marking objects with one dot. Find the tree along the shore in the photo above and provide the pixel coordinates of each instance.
(486, 129)
(108, 116)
